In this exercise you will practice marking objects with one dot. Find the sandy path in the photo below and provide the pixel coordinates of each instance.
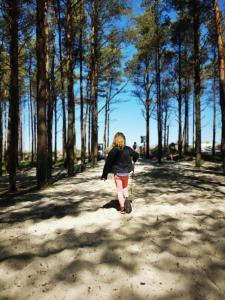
(70, 242)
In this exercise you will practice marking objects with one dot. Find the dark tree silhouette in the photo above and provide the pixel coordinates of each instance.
(13, 14)
(42, 155)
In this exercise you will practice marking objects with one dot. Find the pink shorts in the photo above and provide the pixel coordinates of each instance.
(121, 182)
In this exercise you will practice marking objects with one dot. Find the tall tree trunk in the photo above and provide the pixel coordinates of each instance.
(159, 104)
(71, 103)
(179, 99)
(20, 137)
(31, 112)
(88, 117)
(56, 128)
(48, 95)
(106, 117)
(82, 127)
(197, 80)
(147, 108)
(42, 155)
(186, 116)
(53, 97)
(13, 95)
(214, 109)
(89, 132)
(5, 130)
(108, 126)
(158, 86)
(147, 128)
(85, 129)
(193, 124)
(165, 126)
(94, 82)
(64, 135)
(221, 75)
(35, 133)
(52, 100)
(1, 135)
(107, 113)
(168, 136)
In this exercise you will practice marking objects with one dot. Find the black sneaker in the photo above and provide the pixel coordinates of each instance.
(128, 207)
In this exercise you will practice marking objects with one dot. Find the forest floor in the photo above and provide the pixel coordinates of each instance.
(70, 242)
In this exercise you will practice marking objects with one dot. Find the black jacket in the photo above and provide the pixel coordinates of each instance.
(119, 161)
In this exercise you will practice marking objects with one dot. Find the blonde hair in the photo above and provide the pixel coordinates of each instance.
(119, 140)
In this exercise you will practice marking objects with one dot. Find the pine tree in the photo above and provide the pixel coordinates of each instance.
(13, 15)
(62, 79)
(70, 78)
(221, 74)
(42, 155)
(82, 117)
(1, 132)
(142, 65)
(197, 80)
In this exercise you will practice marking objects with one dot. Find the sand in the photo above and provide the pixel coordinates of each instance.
(70, 242)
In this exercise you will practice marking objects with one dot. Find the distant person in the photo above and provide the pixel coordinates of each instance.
(119, 162)
(172, 150)
(136, 148)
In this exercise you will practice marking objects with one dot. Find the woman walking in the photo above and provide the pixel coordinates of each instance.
(119, 162)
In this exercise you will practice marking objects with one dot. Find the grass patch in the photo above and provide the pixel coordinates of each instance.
(46, 186)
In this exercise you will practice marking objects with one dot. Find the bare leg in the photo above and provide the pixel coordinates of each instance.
(119, 187)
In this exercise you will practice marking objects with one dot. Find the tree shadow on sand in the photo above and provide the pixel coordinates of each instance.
(136, 257)
(165, 179)
(27, 182)
(194, 256)
(39, 207)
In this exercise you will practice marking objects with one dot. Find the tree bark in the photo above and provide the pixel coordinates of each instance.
(13, 95)
(48, 95)
(165, 126)
(20, 156)
(167, 136)
(106, 117)
(159, 104)
(94, 82)
(197, 81)
(147, 108)
(52, 100)
(82, 127)
(42, 155)
(193, 125)
(108, 127)
(89, 132)
(5, 130)
(35, 133)
(1, 135)
(31, 111)
(214, 110)
(64, 135)
(71, 103)
(88, 116)
(186, 116)
(179, 99)
(56, 128)
(158, 87)
(217, 14)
